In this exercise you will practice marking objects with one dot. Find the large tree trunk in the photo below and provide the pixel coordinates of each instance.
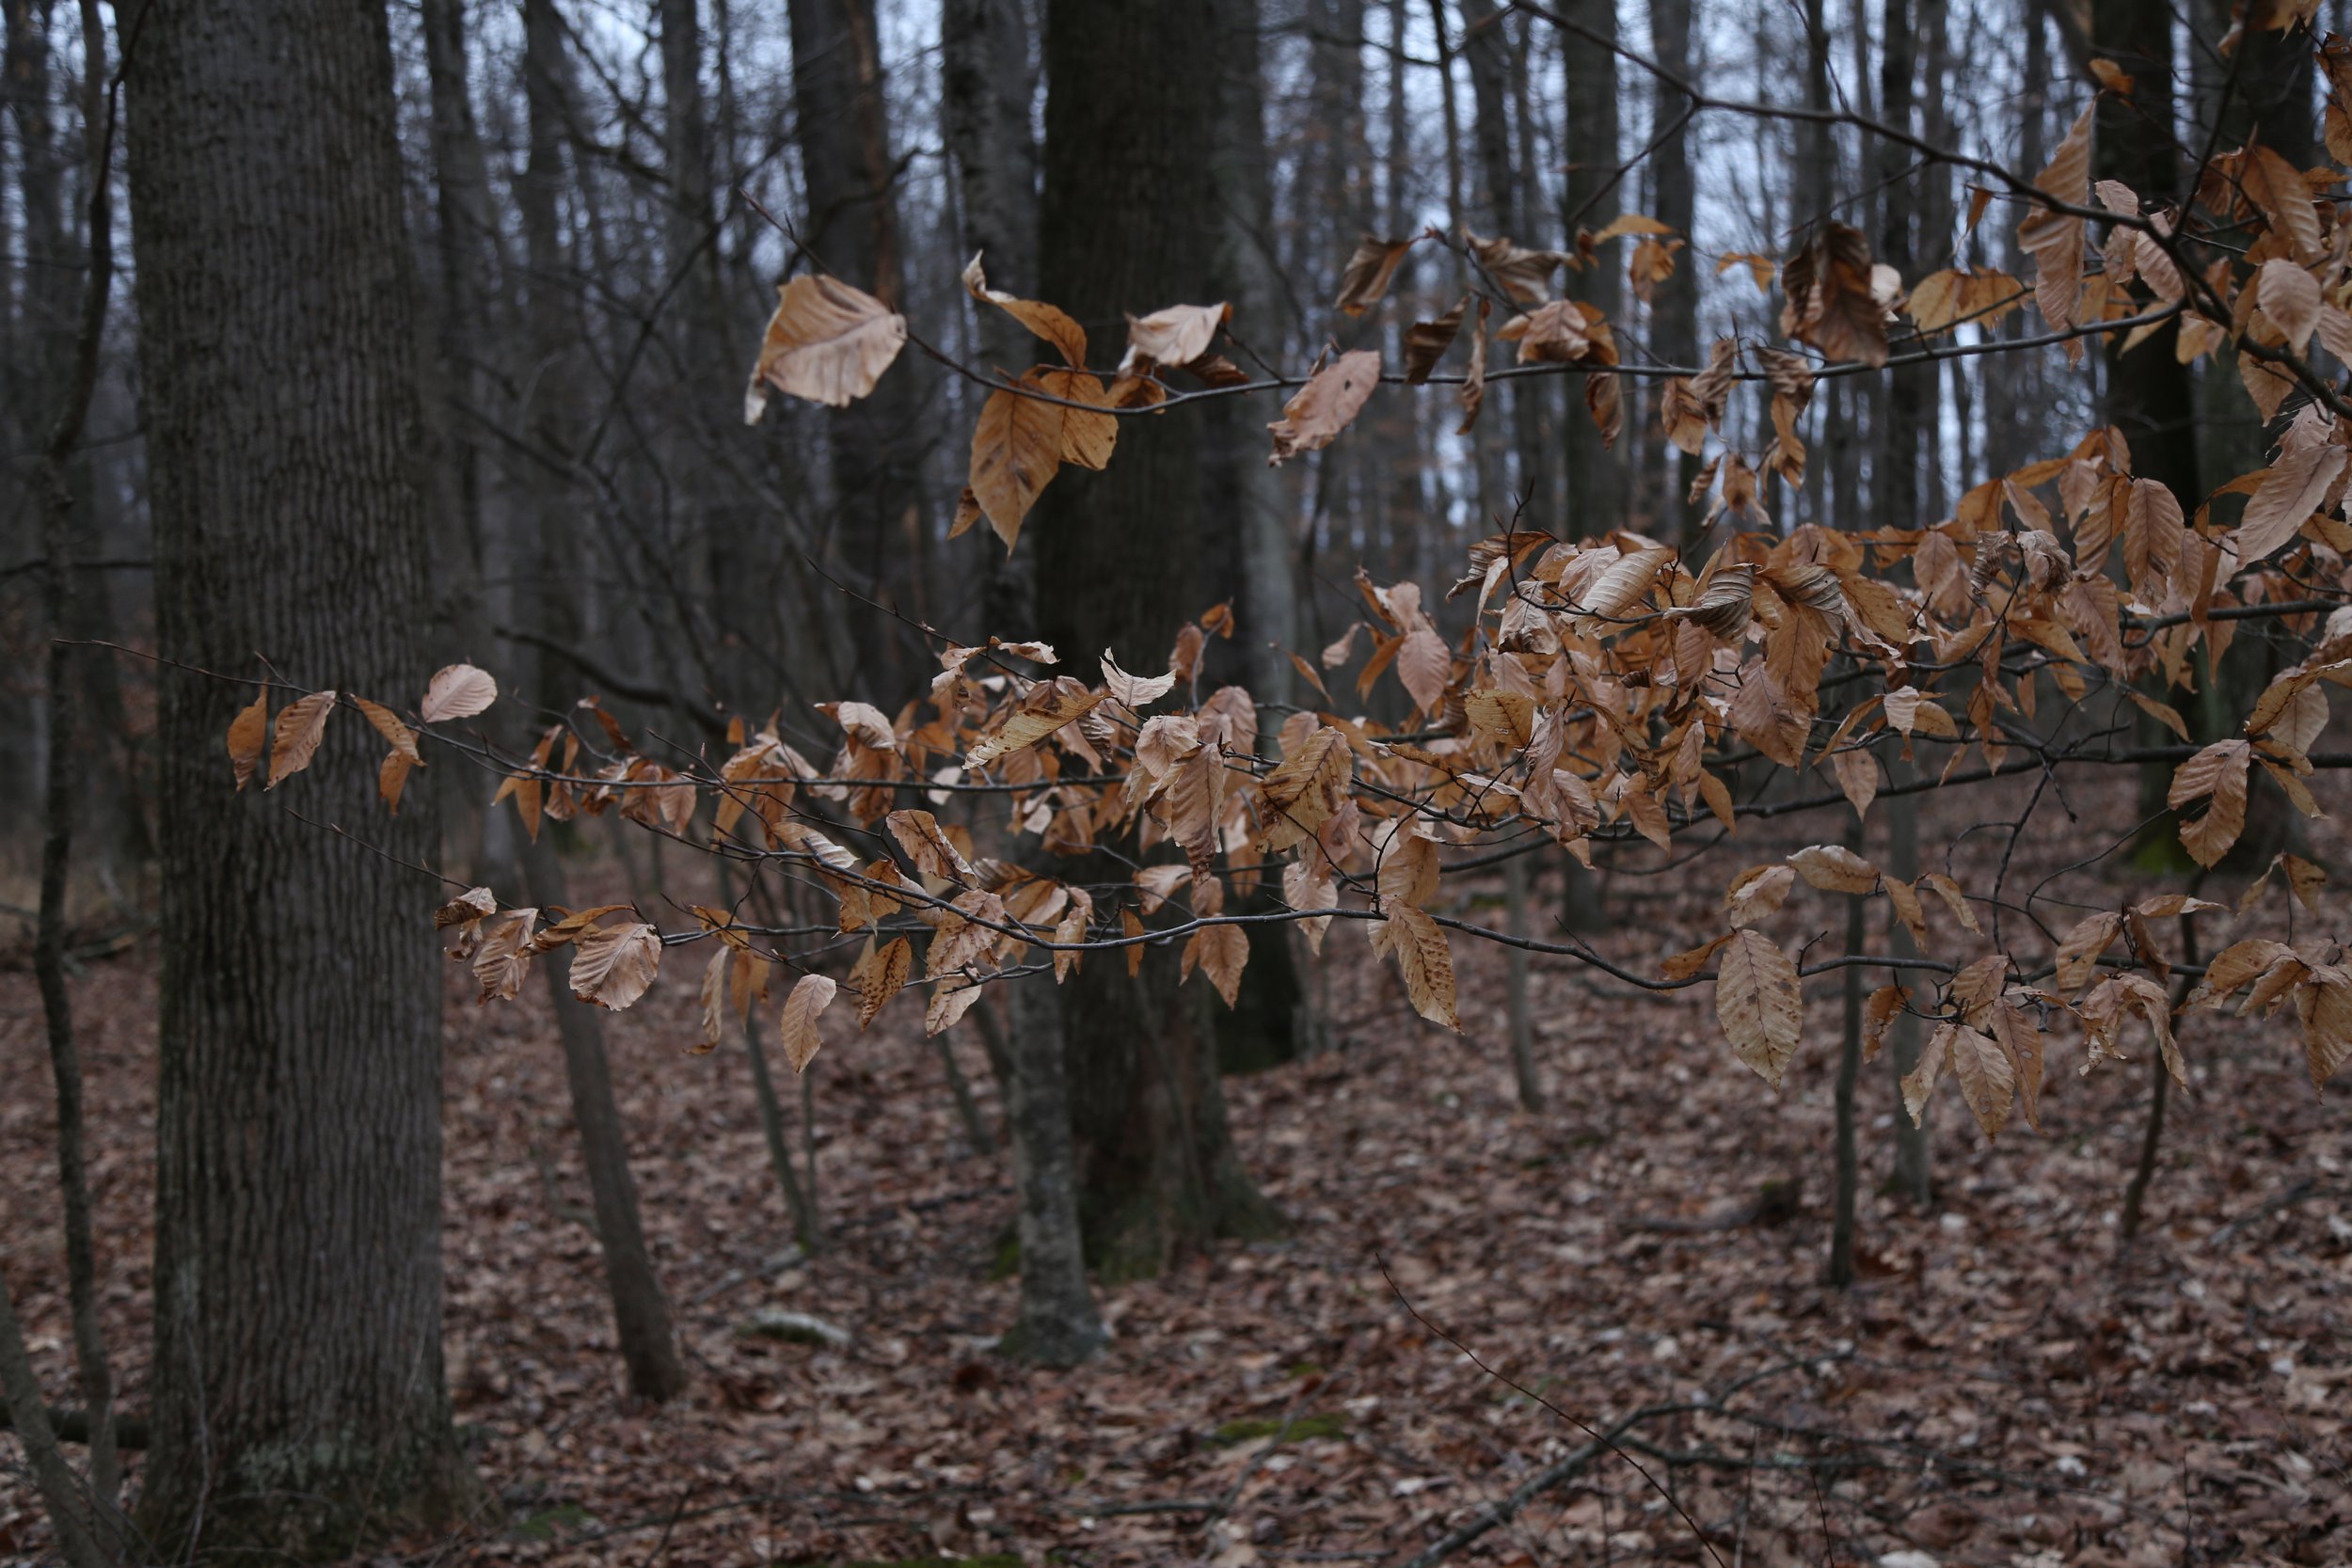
(1128, 224)
(298, 1401)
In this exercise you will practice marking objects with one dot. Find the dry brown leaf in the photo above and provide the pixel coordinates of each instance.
(1423, 666)
(1832, 302)
(1988, 1082)
(1835, 868)
(1220, 951)
(2056, 239)
(1524, 274)
(247, 734)
(1327, 405)
(1369, 271)
(880, 974)
(1049, 706)
(2278, 188)
(612, 965)
(1758, 1003)
(1016, 449)
(301, 725)
(1757, 893)
(503, 954)
(457, 691)
(810, 996)
(2218, 771)
(2293, 488)
(1136, 692)
(1425, 342)
(1049, 322)
(927, 847)
(2290, 297)
(1303, 793)
(1424, 962)
(2081, 948)
(1177, 336)
(826, 342)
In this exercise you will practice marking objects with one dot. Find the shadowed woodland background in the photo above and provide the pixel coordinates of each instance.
(345, 341)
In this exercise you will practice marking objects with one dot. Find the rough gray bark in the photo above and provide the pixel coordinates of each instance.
(1127, 222)
(1056, 1324)
(297, 1398)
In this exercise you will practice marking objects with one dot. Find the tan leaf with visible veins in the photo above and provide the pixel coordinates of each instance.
(1176, 336)
(502, 955)
(1425, 963)
(2291, 492)
(1136, 692)
(1302, 793)
(2218, 771)
(1757, 893)
(880, 974)
(2290, 297)
(929, 848)
(826, 342)
(612, 965)
(1220, 951)
(1047, 708)
(301, 725)
(1423, 665)
(1758, 1003)
(1987, 1080)
(2325, 1007)
(1327, 405)
(457, 691)
(393, 776)
(2081, 948)
(1835, 868)
(2277, 187)
(2056, 239)
(1016, 449)
(811, 995)
(247, 734)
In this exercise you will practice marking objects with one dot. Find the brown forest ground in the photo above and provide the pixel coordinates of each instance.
(2005, 1385)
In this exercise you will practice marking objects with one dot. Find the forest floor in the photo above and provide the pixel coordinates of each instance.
(2006, 1384)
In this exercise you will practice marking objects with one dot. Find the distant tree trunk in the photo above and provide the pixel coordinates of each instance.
(2149, 394)
(852, 231)
(641, 1313)
(1245, 538)
(1675, 312)
(54, 492)
(1487, 48)
(1597, 489)
(1058, 1323)
(297, 1399)
(1128, 222)
(466, 255)
(987, 83)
